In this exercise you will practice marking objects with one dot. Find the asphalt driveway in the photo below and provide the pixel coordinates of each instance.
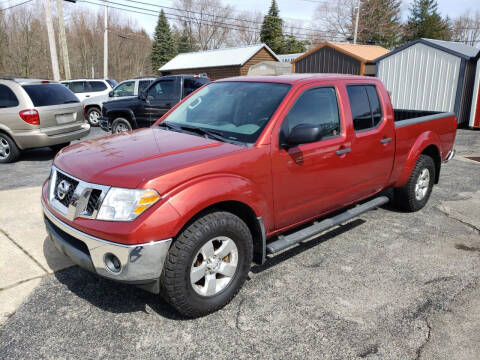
(388, 285)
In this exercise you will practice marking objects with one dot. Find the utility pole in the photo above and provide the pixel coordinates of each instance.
(356, 22)
(62, 38)
(51, 41)
(105, 44)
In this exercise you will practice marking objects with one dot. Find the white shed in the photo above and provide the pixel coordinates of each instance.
(430, 75)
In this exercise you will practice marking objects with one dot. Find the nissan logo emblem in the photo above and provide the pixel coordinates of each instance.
(62, 189)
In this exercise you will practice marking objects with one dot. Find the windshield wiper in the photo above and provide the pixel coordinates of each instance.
(169, 126)
(210, 133)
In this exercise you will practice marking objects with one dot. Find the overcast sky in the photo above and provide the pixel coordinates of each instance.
(297, 9)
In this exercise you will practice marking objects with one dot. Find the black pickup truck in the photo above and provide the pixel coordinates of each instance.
(150, 105)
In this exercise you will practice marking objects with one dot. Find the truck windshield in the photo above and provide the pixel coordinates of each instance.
(238, 111)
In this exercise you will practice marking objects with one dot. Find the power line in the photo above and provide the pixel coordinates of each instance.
(14, 6)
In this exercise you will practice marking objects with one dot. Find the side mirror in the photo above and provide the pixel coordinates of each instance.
(304, 134)
(110, 94)
(142, 95)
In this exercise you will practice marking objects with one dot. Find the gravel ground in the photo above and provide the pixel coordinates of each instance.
(388, 285)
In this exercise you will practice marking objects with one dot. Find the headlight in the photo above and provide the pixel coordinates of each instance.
(126, 204)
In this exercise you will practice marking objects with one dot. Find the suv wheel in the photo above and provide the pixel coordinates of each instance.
(207, 264)
(92, 116)
(120, 125)
(415, 193)
(9, 151)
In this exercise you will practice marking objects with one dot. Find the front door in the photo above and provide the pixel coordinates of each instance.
(311, 179)
(161, 97)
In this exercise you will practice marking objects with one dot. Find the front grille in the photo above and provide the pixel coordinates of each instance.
(72, 186)
(93, 201)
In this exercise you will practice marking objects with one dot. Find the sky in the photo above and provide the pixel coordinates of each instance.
(295, 9)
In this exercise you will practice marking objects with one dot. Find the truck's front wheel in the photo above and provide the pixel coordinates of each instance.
(415, 193)
(207, 264)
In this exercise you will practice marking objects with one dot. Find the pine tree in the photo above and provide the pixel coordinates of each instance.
(426, 22)
(380, 23)
(271, 33)
(184, 41)
(163, 47)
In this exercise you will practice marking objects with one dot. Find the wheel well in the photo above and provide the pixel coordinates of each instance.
(88, 107)
(433, 152)
(116, 114)
(10, 136)
(244, 212)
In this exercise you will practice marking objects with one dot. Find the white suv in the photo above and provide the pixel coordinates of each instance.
(85, 88)
(128, 88)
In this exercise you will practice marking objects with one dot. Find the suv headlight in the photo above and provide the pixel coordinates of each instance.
(126, 204)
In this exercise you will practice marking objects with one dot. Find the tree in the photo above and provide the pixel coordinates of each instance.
(425, 21)
(271, 33)
(291, 45)
(380, 23)
(163, 47)
(466, 28)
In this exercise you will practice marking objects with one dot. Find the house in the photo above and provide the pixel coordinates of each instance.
(219, 63)
(339, 58)
(432, 75)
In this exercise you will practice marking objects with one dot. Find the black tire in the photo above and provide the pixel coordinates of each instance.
(120, 125)
(56, 148)
(405, 197)
(9, 151)
(91, 118)
(176, 287)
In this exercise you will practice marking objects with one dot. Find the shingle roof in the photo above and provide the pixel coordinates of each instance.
(363, 53)
(213, 58)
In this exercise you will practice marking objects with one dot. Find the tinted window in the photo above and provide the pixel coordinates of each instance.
(163, 90)
(96, 86)
(77, 87)
(237, 110)
(50, 94)
(142, 85)
(316, 107)
(7, 97)
(124, 89)
(362, 117)
(192, 84)
(112, 82)
(374, 104)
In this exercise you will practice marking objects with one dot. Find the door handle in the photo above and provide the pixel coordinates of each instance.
(385, 140)
(343, 151)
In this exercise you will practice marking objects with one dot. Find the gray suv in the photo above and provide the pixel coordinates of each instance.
(37, 113)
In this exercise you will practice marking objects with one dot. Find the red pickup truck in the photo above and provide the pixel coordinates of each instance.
(242, 168)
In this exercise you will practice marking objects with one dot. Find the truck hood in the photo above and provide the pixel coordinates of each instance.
(130, 159)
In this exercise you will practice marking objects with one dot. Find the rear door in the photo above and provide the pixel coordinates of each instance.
(97, 88)
(373, 146)
(161, 97)
(79, 88)
(56, 105)
(311, 179)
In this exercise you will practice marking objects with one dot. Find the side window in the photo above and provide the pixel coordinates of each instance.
(190, 85)
(97, 86)
(317, 107)
(142, 85)
(374, 104)
(7, 97)
(77, 87)
(365, 105)
(162, 90)
(124, 89)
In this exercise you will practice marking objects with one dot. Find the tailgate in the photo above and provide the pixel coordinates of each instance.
(58, 115)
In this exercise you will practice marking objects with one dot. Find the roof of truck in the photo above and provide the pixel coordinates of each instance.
(296, 78)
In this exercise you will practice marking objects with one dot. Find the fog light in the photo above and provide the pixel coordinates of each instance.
(112, 263)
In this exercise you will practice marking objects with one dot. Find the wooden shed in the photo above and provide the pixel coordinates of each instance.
(219, 63)
(431, 75)
(339, 58)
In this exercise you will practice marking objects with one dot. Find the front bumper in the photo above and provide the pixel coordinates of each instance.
(141, 264)
(42, 137)
(104, 123)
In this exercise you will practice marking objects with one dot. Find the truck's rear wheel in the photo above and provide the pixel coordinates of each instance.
(415, 193)
(207, 264)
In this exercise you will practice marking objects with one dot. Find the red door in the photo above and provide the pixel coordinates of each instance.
(311, 179)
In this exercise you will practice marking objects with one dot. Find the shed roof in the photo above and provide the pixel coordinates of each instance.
(363, 53)
(212, 58)
(455, 48)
